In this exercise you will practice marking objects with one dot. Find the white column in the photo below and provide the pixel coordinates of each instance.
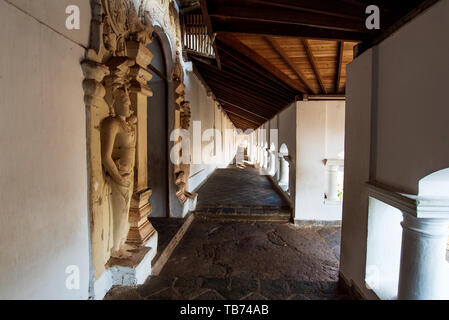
(424, 269)
(284, 177)
(332, 176)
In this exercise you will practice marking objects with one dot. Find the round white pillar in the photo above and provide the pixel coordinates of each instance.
(284, 172)
(424, 269)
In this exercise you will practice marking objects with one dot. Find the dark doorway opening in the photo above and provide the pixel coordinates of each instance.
(157, 121)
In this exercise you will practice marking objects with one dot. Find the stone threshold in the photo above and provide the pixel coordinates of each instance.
(257, 217)
(161, 260)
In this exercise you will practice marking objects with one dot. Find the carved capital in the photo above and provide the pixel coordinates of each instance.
(139, 53)
(140, 75)
(94, 70)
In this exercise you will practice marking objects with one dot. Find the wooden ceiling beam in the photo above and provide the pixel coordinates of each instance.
(240, 123)
(252, 55)
(241, 78)
(257, 114)
(246, 102)
(213, 80)
(275, 45)
(315, 68)
(339, 65)
(235, 108)
(237, 114)
(326, 7)
(240, 11)
(243, 94)
(249, 67)
(278, 29)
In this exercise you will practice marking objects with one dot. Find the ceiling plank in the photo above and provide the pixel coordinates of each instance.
(224, 101)
(248, 114)
(275, 45)
(240, 78)
(251, 54)
(237, 114)
(246, 103)
(326, 7)
(220, 25)
(239, 122)
(339, 65)
(236, 90)
(315, 68)
(237, 61)
(236, 12)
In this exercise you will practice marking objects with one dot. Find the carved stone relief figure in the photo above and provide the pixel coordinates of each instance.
(118, 150)
(115, 62)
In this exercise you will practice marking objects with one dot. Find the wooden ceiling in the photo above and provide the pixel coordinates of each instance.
(269, 53)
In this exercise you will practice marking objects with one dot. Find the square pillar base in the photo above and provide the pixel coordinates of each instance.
(132, 271)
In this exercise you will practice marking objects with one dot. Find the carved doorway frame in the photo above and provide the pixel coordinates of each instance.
(164, 43)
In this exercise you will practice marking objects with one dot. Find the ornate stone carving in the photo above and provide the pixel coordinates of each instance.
(182, 170)
(114, 24)
(118, 149)
(115, 85)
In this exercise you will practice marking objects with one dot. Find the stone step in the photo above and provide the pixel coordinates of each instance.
(165, 288)
(244, 213)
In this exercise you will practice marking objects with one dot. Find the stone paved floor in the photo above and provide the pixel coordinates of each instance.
(166, 230)
(247, 260)
(239, 187)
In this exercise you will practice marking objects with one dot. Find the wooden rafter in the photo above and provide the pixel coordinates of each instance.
(224, 102)
(243, 49)
(315, 68)
(275, 45)
(227, 109)
(239, 122)
(242, 78)
(325, 7)
(221, 25)
(243, 65)
(236, 12)
(339, 65)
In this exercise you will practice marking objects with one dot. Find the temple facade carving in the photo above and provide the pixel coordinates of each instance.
(116, 92)
(182, 121)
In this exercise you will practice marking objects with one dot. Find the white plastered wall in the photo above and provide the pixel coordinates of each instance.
(409, 101)
(320, 136)
(43, 173)
(207, 115)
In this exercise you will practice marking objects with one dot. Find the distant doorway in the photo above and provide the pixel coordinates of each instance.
(157, 121)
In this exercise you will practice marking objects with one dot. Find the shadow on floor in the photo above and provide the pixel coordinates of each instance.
(247, 260)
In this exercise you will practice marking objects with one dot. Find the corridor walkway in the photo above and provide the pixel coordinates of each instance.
(221, 258)
(218, 260)
(244, 193)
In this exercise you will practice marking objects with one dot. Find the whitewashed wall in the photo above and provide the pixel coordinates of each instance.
(320, 134)
(205, 110)
(43, 173)
(410, 123)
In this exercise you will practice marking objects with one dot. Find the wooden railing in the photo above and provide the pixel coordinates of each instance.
(195, 35)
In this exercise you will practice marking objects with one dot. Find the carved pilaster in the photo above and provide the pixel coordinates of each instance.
(182, 121)
(96, 110)
(117, 43)
(141, 229)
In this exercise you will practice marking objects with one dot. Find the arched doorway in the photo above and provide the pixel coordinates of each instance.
(157, 120)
